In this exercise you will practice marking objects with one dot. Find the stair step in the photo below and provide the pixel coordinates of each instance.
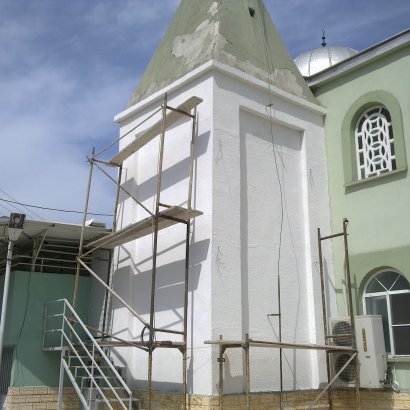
(133, 399)
(96, 372)
(104, 388)
(86, 357)
(97, 377)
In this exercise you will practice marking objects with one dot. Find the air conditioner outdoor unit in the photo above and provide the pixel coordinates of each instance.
(341, 327)
(371, 351)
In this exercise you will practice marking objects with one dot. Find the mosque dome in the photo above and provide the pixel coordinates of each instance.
(318, 59)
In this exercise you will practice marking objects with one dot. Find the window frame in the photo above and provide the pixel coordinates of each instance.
(387, 294)
(362, 155)
(349, 123)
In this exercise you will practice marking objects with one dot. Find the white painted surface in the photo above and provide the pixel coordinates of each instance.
(234, 245)
(371, 350)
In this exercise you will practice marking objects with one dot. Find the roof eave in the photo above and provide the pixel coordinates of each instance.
(365, 57)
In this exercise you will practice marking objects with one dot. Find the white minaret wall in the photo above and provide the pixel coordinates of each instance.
(235, 243)
(136, 257)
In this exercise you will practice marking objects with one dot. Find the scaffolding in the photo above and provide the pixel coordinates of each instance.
(350, 349)
(163, 216)
(350, 336)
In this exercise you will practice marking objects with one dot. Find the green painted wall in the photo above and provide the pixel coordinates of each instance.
(379, 208)
(32, 366)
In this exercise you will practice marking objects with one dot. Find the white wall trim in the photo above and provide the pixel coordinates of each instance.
(230, 71)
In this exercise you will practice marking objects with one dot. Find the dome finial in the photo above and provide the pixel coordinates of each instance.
(323, 38)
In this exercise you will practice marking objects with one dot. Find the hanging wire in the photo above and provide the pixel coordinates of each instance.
(7, 209)
(52, 209)
(127, 133)
(31, 213)
(275, 154)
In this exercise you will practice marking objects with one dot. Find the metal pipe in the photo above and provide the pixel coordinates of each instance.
(186, 280)
(324, 312)
(122, 188)
(180, 111)
(351, 313)
(332, 381)
(149, 390)
(336, 235)
(247, 373)
(39, 249)
(111, 336)
(221, 375)
(80, 247)
(192, 157)
(108, 283)
(5, 296)
(184, 378)
(61, 381)
(162, 330)
(102, 355)
(276, 345)
(114, 294)
(111, 259)
(127, 133)
(348, 280)
(155, 250)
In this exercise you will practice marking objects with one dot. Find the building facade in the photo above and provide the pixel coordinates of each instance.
(367, 148)
(277, 156)
(260, 181)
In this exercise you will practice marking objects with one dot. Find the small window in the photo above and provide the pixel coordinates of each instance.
(375, 152)
(388, 294)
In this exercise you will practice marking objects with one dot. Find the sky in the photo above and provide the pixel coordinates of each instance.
(67, 67)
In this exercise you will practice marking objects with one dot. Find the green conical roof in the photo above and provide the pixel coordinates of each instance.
(239, 33)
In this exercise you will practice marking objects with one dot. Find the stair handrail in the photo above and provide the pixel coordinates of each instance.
(96, 346)
(95, 364)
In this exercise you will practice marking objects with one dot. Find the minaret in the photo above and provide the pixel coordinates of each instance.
(240, 35)
(260, 181)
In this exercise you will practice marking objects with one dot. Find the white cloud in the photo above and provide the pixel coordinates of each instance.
(67, 68)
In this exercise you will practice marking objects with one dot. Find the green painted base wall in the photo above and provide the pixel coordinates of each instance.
(377, 208)
(32, 366)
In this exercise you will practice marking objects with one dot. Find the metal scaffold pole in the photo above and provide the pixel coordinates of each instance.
(163, 216)
(80, 248)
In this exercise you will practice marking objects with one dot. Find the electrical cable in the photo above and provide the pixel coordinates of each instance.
(7, 209)
(31, 212)
(270, 68)
(127, 133)
(53, 209)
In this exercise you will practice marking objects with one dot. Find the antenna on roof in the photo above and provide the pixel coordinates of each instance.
(323, 38)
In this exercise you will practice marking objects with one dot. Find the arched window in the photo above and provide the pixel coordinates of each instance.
(375, 152)
(369, 148)
(388, 294)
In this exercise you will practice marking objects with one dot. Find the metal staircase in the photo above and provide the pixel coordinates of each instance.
(89, 368)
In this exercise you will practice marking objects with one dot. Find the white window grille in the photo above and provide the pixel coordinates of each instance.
(388, 294)
(374, 143)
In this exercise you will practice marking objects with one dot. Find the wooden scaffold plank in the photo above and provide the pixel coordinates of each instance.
(146, 136)
(144, 227)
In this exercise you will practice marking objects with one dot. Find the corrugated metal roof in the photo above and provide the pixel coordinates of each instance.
(55, 230)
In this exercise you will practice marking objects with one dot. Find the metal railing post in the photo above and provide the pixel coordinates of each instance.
(61, 382)
(90, 392)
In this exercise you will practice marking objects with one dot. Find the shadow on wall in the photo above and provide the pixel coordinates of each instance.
(170, 176)
(169, 283)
